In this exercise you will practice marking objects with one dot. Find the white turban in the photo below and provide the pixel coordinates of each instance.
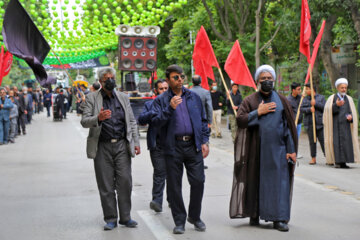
(265, 68)
(341, 81)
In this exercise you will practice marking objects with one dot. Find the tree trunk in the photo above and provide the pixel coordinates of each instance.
(355, 15)
(257, 33)
(332, 69)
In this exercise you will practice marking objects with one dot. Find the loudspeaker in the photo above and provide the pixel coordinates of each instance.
(130, 84)
(137, 53)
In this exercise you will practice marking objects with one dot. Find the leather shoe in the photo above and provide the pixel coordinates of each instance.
(179, 229)
(110, 226)
(155, 206)
(199, 225)
(254, 221)
(281, 226)
(130, 224)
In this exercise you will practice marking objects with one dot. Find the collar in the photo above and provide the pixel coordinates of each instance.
(185, 92)
(341, 97)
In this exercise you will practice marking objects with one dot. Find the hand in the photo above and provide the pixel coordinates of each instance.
(339, 102)
(235, 107)
(104, 114)
(205, 150)
(220, 104)
(312, 109)
(265, 108)
(137, 150)
(175, 101)
(25, 112)
(313, 102)
(349, 117)
(1, 105)
(292, 156)
(209, 125)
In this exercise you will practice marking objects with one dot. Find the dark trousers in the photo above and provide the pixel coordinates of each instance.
(48, 107)
(21, 123)
(29, 116)
(113, 176)
(320, 138)
(185, 155)
(159, 176)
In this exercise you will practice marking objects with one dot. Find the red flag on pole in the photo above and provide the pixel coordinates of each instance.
(315, 50)
(153, 76)
(6, 63)
(1, 63)
(203, 49)
(305, 30)
(237, 68)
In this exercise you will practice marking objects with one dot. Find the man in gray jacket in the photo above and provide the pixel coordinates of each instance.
(112, 141)
(205, 98)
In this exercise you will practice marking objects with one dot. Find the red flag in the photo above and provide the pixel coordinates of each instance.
(6, 65)
(204, 71)
(203, 49)
(315, 50)
(237, 68)
(153, 76)
(305, 30)
(1, 63)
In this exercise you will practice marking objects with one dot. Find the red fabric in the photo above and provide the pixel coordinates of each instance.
(203, 49)
(315, 50)
(305, 30)
(1, 63)
(204, 71)
(237, 68)
(153, 76)
(6, 65)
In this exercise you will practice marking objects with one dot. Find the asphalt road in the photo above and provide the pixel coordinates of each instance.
(48, 191)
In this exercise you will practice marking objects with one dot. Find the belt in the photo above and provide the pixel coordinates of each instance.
(184, 138)
(113, 140)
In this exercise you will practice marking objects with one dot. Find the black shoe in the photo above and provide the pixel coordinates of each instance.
(206, 167)
(344, 166)
(281, 226)
(179, 229)
(199, 225)
(130, 224)
(155, 206)
(254, 221)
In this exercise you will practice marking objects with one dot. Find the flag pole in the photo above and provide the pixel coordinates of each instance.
(301, 100)
(312, 98)
(227, 90)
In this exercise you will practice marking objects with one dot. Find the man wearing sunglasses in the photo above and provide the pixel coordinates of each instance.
(156, 149)
(184, 133)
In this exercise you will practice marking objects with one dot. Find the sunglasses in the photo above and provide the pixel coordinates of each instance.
(176, 77)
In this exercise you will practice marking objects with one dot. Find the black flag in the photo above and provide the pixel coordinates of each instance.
(24, 40)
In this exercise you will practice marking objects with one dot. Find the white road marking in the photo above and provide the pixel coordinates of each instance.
(155, 225)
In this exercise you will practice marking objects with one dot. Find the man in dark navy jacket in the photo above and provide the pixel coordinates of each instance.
(156, 149)
(184, 134)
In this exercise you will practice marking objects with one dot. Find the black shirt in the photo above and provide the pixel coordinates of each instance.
(237, 99)
(294, 102)
(215, 98)
(114, 127)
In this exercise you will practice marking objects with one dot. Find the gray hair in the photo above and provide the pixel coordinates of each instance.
(104, 70)
(2, 88)
(265, 68)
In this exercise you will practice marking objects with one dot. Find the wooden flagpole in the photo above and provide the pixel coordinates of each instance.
(313, 99)
(227, 90)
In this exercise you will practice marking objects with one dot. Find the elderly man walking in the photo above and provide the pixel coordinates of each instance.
(341, 128)
(184, 134)
(265, 153)
(5, 106)
(112, 141)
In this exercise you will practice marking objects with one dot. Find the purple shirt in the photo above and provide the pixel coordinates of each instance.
(183, 126)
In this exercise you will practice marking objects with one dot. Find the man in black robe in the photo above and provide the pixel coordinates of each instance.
(340, 122)
(265, 154)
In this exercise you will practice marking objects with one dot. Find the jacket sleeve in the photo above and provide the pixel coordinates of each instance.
(209, 109)
(305, 106)
(204, 126)
(320, 103)
(88, 120)
(146, 115)
(161, 114)
(133, 124)
(8, 104)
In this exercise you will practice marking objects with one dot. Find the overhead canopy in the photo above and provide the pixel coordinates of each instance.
(79, 30)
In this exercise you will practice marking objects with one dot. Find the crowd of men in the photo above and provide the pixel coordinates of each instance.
(16, 111)
(181, 121)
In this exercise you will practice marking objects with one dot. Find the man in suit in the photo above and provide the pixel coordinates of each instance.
(156, 149)
(112, 141)
(23, 111)
(5, 106)
(184, 133)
